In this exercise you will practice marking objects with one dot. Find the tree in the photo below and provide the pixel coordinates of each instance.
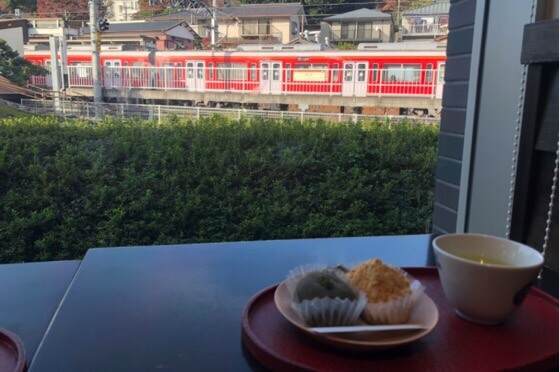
(24, 5)
(15, 68)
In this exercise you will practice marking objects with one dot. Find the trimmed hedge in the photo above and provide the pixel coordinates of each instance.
(66, 186)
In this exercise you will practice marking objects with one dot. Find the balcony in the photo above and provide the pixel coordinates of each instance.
(422, 30)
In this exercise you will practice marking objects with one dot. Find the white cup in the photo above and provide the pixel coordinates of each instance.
(485, 293)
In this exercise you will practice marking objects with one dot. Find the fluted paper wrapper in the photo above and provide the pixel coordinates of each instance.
(328, 312)
(395, 311)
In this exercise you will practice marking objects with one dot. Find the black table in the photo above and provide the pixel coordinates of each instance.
(178, 308)
(29, 296)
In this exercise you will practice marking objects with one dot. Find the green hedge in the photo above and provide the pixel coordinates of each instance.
(66, 186)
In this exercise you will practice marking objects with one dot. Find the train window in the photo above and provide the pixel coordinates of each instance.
(429, 73)
(375, 71)
(348, 72)
(441, 73)
(253, 76)
(409, 73)
(361, 72)
(276, 71)
(288, 72)
(264, 71)
(190, 70)
(200, 71)
(231, 71)
(210, 71)
(335, 72)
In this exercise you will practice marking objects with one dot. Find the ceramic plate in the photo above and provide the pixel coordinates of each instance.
(425, 313)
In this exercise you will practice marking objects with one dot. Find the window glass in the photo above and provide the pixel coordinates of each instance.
(276, 72)
(441, 73)
(253, 72)
(409, 73)
(288, 72)
(231, 71)
(375, 71)
(364, 31)
(429, 73)
(335, 72)
(264, 71)
(200, 71)
(361, 72)
(348, 71)
(190, 70)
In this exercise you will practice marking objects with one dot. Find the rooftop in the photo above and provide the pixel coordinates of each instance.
(359, 14)
(155, 26)
(439, 7)
(241, 11)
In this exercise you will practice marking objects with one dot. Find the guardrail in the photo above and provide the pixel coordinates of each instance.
(89, 110)
(352, 80)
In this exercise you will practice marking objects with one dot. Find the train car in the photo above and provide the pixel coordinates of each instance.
(396, 69)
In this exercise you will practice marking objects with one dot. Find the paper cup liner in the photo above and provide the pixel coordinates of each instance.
(325, 311)
(396, 311)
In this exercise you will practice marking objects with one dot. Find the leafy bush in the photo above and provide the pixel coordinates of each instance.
(66, 186)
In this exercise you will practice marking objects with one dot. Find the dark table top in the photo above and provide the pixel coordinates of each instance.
(178, 308)
(29, 296)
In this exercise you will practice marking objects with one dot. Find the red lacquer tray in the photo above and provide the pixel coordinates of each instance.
(12, 354)
(527, 341)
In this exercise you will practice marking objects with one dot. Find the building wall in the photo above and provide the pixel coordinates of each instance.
(14, 37)
(124, 10)
(232, 28)
(454, 108)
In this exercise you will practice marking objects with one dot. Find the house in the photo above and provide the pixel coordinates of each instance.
(122, 10)
(426, 22)
(357, 26)
(40, 29)
(157, 35)
(15, 33)
(248, 23)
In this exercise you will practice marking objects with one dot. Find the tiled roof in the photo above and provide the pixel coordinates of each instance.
(156, 26)
(263, 10)
(359, 14)
(439, 7)
(242, 11)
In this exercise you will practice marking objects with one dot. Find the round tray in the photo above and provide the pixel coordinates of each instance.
(12, 354)
(528, 340)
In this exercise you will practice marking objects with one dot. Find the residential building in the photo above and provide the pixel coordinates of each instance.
(40, 29)
(429, 21)
(15, 33)
(158, 35)
(248, 23)
(122, 10)
(358, 26)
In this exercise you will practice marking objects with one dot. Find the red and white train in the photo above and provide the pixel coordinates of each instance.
(412, 69)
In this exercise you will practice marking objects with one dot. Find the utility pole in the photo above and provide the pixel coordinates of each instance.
(213, 25)
(55, 71)
(95, 46)
(63, 58)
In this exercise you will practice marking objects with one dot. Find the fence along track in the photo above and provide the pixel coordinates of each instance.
(92, 111)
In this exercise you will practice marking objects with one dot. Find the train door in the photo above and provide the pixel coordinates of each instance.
(112, 74)
(440, 77)
(196, 81)
(271, 81)
(355, 82)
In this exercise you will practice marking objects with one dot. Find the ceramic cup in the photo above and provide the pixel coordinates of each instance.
(485, 293)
